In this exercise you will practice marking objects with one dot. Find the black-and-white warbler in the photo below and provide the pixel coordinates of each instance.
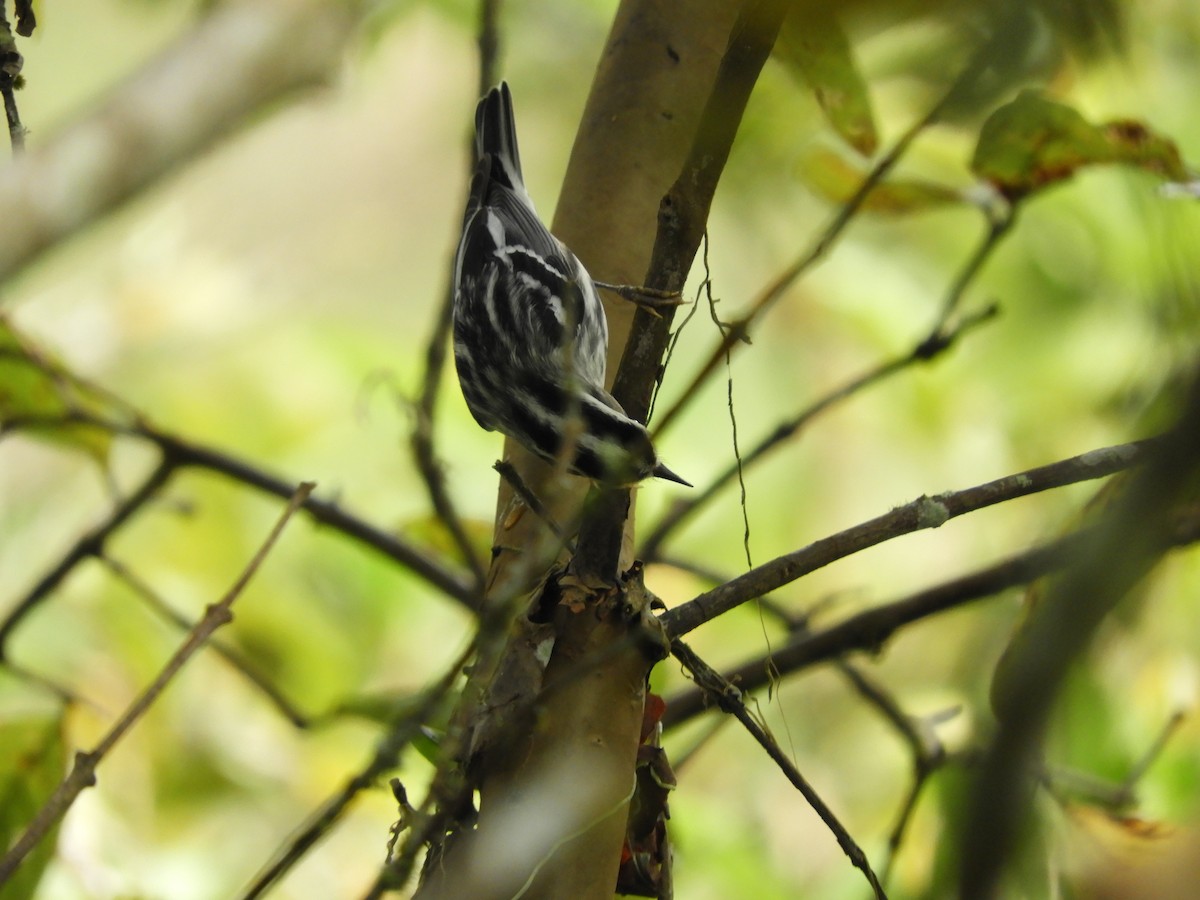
(530, 336)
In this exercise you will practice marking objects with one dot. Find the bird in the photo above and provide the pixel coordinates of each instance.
(529, 329)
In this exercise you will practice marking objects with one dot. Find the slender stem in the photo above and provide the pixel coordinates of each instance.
(925, 351)
(728, 697)
(83, 773)
(736, 332)
(90, 544)
(925, 512)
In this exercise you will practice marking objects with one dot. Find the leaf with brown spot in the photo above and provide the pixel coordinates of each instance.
(1034, 142)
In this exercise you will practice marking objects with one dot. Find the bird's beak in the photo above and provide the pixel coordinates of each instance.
(661, 471)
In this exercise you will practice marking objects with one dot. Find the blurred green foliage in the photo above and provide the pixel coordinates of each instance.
(273, 299)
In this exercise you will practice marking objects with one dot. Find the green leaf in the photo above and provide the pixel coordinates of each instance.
(834, 178)
(814, 48)
(38, 395)
(1033, 142)
(33, 760)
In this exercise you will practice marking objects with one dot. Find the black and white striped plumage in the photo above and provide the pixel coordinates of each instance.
(530, 336)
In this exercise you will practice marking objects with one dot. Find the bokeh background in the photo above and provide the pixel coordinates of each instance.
(273, 298)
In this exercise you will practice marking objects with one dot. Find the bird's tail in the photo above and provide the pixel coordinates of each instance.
(496, 137)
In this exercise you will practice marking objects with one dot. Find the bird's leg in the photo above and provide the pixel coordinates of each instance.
(651, 299)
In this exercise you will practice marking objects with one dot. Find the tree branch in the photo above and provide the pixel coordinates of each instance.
(724, 694)
(923, 352)
(1139, 526)
(276, 697)
(90, 544)
(870, 629)
(11, 63)
(167, 113)
(178, 453)
(386, 757)
(736, 332)
(83, 773)
(925, 512)
(430, 466)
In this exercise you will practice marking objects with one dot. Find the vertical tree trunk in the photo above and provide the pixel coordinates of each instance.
(554, 802)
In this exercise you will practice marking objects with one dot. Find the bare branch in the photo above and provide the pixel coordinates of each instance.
(186, 454)
(1115, 796)
(428, 463)
(723, 693)
(928, 753)
(683, 212)
(11, 63)
(1129, 538)
(178, 453)
(870, 629)
(395, 739)
(167, 113)
(83, 773)
(90, 544)
(736, 332)
(152, 599)
(925, 512)
(925, 351)
(488, 43)
(998, 226)
(509, 473)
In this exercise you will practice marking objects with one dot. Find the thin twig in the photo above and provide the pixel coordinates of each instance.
(729, 699)
(83, 772)
(925, 512)
(16, 131)
(737, 331)
(420, 561)
(434, 477)
(925, 351)
(870, 629)
(739, 462)
(424, 452)
(647, 297)
(11, 63)
(152, 599)
(1138, 770)
(90, 544)
(386, 757)
(1115, 796)
(178, 453)
(998, 227)
(487, 42)
(927, 752)
(510, 474)
(683, 211)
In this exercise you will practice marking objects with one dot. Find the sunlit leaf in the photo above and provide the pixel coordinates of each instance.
(836, 179)
(40, 396)
(1034, 142)
(814, 47)
(32, 763)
